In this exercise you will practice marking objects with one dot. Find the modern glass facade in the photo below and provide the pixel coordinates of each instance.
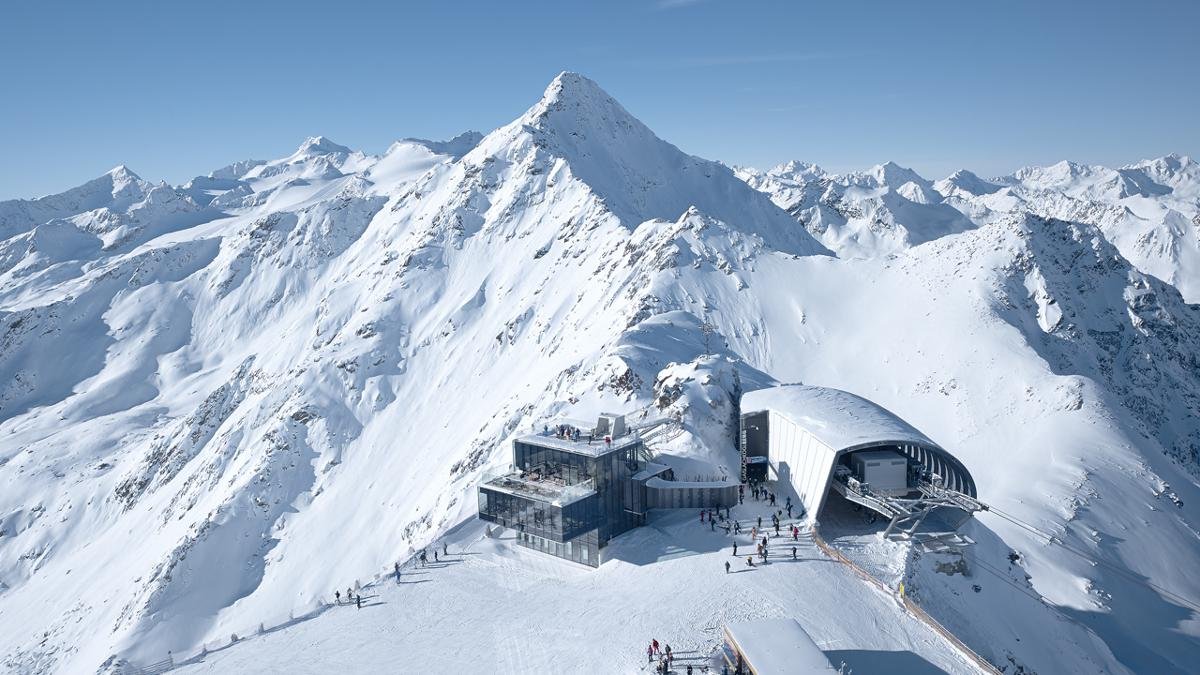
(576, 527)
(545, 519)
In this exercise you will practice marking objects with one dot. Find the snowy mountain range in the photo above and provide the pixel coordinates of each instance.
(220, 399)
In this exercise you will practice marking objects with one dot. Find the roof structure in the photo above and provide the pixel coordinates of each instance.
(839, 419)
(595, 448)
(778, 646)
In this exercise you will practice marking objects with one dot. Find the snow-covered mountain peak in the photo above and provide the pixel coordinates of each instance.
(122, 175)
(570, 89)
(577, 131)
(315, 146)
(893, 175)
(575, 114)
(965, 181)
(455, 147)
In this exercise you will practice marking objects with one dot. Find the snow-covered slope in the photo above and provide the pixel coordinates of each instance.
(213, 419)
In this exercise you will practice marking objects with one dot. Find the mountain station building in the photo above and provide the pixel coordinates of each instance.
(819, 439)
(573, 488)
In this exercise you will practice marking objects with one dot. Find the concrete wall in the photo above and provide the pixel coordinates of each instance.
(663, 494)
(797, 457)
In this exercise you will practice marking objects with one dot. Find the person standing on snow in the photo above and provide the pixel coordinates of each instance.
(445, 550)
(735, 549)
(649, 653)
(337, 596)
(358, 601)
(793, 553)
(726, 567)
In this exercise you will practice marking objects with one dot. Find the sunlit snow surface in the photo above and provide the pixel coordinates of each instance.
(220, 401)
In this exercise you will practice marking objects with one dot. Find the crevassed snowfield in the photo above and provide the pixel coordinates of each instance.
(222, 400)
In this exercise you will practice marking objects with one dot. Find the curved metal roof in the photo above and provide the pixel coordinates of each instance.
(837, 418)
(847, 422)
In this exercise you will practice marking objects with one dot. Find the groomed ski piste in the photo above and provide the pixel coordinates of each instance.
(495, 605)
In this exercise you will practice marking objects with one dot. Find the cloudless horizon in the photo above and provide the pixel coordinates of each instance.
(176, 90)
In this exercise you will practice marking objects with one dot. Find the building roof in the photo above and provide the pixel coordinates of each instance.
(778, 646)
(837, 418)
(549, 492)
(581, 447)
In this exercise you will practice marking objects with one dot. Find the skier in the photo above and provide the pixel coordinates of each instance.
(726, 567)
(789, 509)
(712, 525)
(649, 653)
(654, 643)
(777, 528)
(735, 549)
(435, 555)
(760, 522)
(793, 553)
(358, 601)
(750, 561)
(337, 596)
(397, 566)
(445, 550)
(702, 515)
(349, 594)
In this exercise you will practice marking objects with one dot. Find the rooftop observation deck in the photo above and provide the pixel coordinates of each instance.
(545, 489)
(595, 447)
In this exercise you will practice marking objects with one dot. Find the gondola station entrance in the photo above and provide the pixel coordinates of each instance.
(818, 439)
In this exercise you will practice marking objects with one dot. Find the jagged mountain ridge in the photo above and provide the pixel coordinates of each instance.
(1150, 210)
(308, 382)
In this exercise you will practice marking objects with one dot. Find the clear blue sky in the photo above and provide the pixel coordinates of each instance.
(176, 89)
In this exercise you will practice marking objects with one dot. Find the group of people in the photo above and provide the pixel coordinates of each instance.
(666, 658)
(764, 494)
(423, 557)
(565, 432)
(351, 598)
(713, 517)
(762, 550)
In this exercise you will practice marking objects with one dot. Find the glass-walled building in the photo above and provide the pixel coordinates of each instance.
(571, 492)
(568, 493)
